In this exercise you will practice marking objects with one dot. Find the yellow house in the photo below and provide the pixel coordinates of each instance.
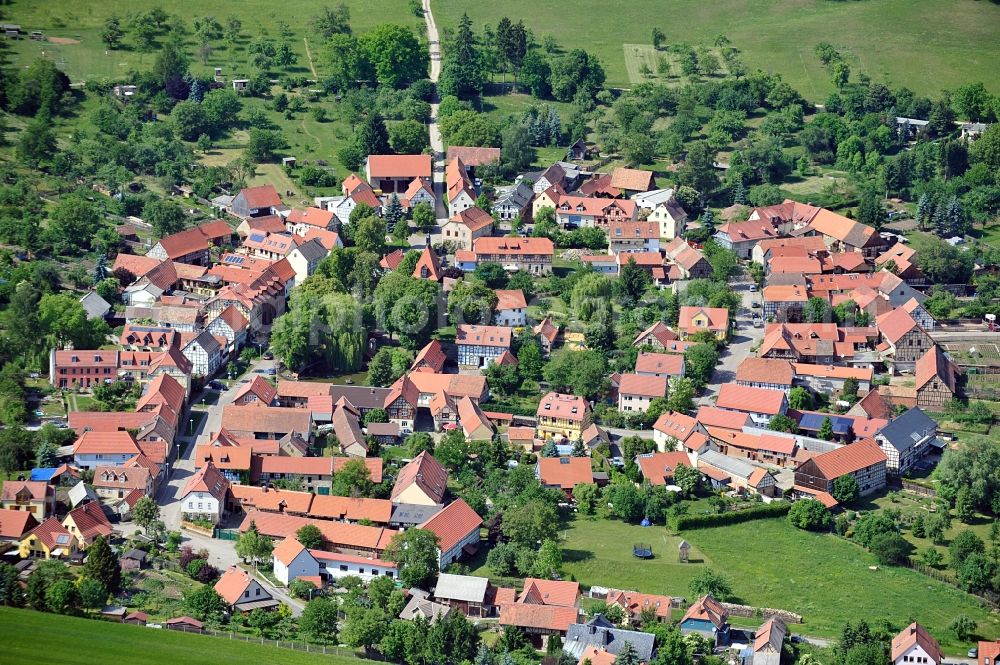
(86, 522)
(423, 482)
(693, 320)
(48, 540)
(547, 199)
(563, 416)
(35, 497)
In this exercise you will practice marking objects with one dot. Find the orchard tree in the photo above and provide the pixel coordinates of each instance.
(415, 551)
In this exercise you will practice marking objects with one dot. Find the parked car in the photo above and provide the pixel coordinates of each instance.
(217, 385)
(753, 288)
(271, 372)
(268, 355)
(755, 304)
(973, 652)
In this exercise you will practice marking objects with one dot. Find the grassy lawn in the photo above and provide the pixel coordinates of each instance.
(27, 634)
(771, 564)
(84, 56)
(926, 45)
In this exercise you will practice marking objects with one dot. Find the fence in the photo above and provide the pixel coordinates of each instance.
(306, 647)
(226, 534)
(765, 612)
(911, 486)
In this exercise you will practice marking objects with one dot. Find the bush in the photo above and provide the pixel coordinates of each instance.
(810, 514)
(763, 511)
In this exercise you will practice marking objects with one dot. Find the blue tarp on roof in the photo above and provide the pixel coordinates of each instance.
(43, 475)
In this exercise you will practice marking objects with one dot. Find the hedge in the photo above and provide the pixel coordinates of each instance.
(763, 511)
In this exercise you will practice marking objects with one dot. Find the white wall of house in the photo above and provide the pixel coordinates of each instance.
(445, 558)
(915, 655)
(517, 316)
(633, 402)
(93, 460)
(201, 504)
(303, 565)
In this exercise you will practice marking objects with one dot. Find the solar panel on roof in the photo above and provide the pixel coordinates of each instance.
(814, 421)
(257, 237)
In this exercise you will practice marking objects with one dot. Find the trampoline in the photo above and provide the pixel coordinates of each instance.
(642, 551)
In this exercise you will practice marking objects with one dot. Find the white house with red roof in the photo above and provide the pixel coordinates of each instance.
(204, 495)
(394, 173)
(512, 308)
(635, 391)
(629, 236)
(915, 646)
(457, 528)
(293, 561)
(479, 346)
(667, 365)
(466, 225)
(242, 592)
(761, 404)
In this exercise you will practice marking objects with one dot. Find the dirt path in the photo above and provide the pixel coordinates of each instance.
(309, 57)
(437, 144)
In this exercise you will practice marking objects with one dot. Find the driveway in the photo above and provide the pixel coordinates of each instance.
(437, 144)
(741, 341)
(169, 495)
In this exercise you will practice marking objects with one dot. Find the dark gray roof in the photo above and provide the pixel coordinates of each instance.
(313, 250)
(517, 196)
(363, 397)
(908, 430)
(601, 633)
(95, 306)
(411, 513)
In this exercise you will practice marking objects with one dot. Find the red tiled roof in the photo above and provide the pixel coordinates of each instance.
(452, 524)
(287, 550)
(260, 387)
(643, 386)
(312, 217)
(657, 467)
(392, 259)
(207, 479)
(510, 299)
(496, 336)
(565, 472)
(427, 473)
(52, 534)
(677, 425)
(429, 263)
(352, 509)
(137, 265)
(933, 364)
(431, 356)
(263, 196)
(750, 400)
(714, 416)
(337, 534)
(541, 617)
(707, 608)
(92, 442)
(513, 246)
(232, 584)
(765, 370)
(893, 325)
(659, 331)
(671, 364)
(559, 405)
(915, 634)
(632, 179)
(223, 457)
(596, 656)
(848, 459)
(718, 318)
(771, 443)
(38, 490)
(90, 521)
(549, 592)
(14, 523)
(195, 239)
(399, 166)
(474, 218)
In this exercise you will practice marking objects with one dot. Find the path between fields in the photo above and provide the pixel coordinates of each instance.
(437, 145)
(309, 57)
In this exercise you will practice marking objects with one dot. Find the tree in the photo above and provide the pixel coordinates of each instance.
(811, 515)
(62, 597)
(419, 442)
(353, 479)
(310, 536)
(93, 595)
(415, 551)
(633, 280)
(845, 489)
(37, 143)
(825, 429)
(204, 603)
(965, 505)
(395, 53)
(710, 582)
(963, 627)
(423, 217)
(408, 137)
(549, 560)
(112, 33)
(11, 594)
(102, 565)
(658, 38)
(782, 423)
(145, 512)
(319, 620)
(870, 210)
(387, 365)
(530, 524)
(463, 72)
(586, 496)
(965, 544)
(516, 151)
(890, 548)
(253, 546)
(580, 372)
(263, 144)
(453, 450)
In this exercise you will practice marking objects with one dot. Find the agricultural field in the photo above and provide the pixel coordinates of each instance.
(771, 564)
(86, 642)
(926, 45)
